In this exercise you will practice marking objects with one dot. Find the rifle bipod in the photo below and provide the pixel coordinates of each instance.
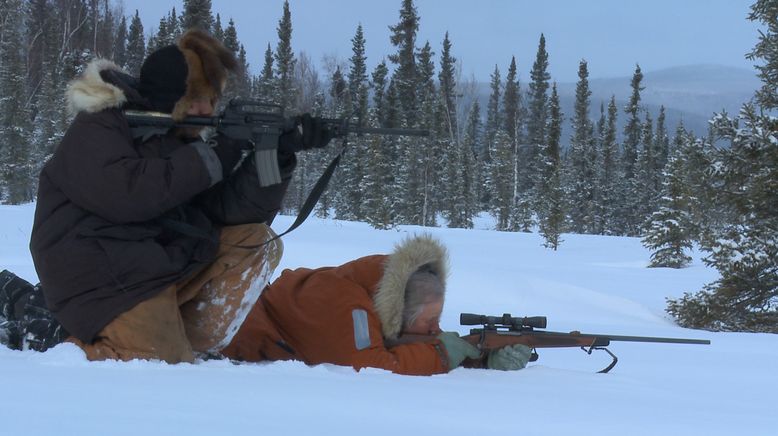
(613, 356)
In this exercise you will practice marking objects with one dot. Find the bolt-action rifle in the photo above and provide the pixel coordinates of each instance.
(500, 331)
(261, 124)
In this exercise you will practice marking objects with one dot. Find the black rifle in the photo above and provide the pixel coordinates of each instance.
(261, 124)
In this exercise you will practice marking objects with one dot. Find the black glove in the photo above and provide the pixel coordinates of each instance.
(229, 151)
(308, 132)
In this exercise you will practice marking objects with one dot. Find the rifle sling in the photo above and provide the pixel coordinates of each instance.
(305, 211)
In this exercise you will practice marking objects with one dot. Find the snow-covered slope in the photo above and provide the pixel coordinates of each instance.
(593, 284)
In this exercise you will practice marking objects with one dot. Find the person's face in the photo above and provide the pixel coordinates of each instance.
(202, 107)
(428, 323)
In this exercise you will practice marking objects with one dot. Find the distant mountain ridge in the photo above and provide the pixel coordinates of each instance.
(692, 93)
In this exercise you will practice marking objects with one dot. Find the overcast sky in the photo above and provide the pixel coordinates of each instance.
(612, 35)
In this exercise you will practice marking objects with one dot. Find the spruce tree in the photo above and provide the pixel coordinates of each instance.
(424, 180)
(512, 105)
(16, 171)
(352, 170)
(218, 29)
(699, 159)
(403, 37)
(766, 50)
(380, 208)
(661, 144)
(633, 126)
(285, 62)
(744, 249)
(608, 173)
(243, 75)
(136, 46)
(472, 142)
(537, 117)
(331, 197)
(378, 83)
(645, 185)
(238, 84)
(493, 120)
(629, 219)
(357, 77)
(669, 233)
(598, 210)
(120, 44)
(50, 118)
(448, 89)
(230, 38)
(38, 48)
(581, 162)
(265, 89)
(503, 200)
(485, 158)
(174, 26)
(452, 155)
(162, 37)
(197, 14)
(551, 217)
(520, 216)
(105, 32)
(413, 171)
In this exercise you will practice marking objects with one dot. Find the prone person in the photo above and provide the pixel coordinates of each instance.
(354, 315)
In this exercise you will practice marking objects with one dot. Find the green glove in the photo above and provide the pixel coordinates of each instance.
(509, 358)
(457, 349)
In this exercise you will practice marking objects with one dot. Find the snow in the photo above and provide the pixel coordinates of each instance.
(594, 284)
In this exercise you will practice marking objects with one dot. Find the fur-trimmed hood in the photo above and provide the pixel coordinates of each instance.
(104, 85)
(407, 257)
(90, 92)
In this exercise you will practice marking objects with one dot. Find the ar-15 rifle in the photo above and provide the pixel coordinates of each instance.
(500, 331)
(261, 124)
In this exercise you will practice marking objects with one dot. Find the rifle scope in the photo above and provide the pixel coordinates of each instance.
(506, 320)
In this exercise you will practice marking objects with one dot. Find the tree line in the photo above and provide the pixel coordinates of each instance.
(506, 159)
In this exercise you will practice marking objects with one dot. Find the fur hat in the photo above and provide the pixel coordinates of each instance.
(173, 77)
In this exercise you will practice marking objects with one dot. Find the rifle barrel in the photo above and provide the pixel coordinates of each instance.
(163, 120)
(548, 337)
(654, 339)
(387, 131)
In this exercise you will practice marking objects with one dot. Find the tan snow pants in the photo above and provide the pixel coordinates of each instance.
(198, 314)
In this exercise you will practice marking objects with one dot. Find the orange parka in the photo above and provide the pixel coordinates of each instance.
(343, 315)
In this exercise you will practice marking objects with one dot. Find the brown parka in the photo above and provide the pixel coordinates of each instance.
(111, 205)
(343, 315)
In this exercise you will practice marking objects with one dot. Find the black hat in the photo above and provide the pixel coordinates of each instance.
(163, 78)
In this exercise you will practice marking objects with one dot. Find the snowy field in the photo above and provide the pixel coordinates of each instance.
(594, 284)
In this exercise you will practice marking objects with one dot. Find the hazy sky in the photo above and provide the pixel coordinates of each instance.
(612, 35)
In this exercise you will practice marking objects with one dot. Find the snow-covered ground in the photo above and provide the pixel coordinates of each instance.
(594, 284)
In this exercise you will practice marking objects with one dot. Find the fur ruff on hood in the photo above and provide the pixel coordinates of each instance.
(407, 257)
(208, 63)
(90, 93)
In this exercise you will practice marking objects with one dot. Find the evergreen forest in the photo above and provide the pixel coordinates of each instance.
(661, 183)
